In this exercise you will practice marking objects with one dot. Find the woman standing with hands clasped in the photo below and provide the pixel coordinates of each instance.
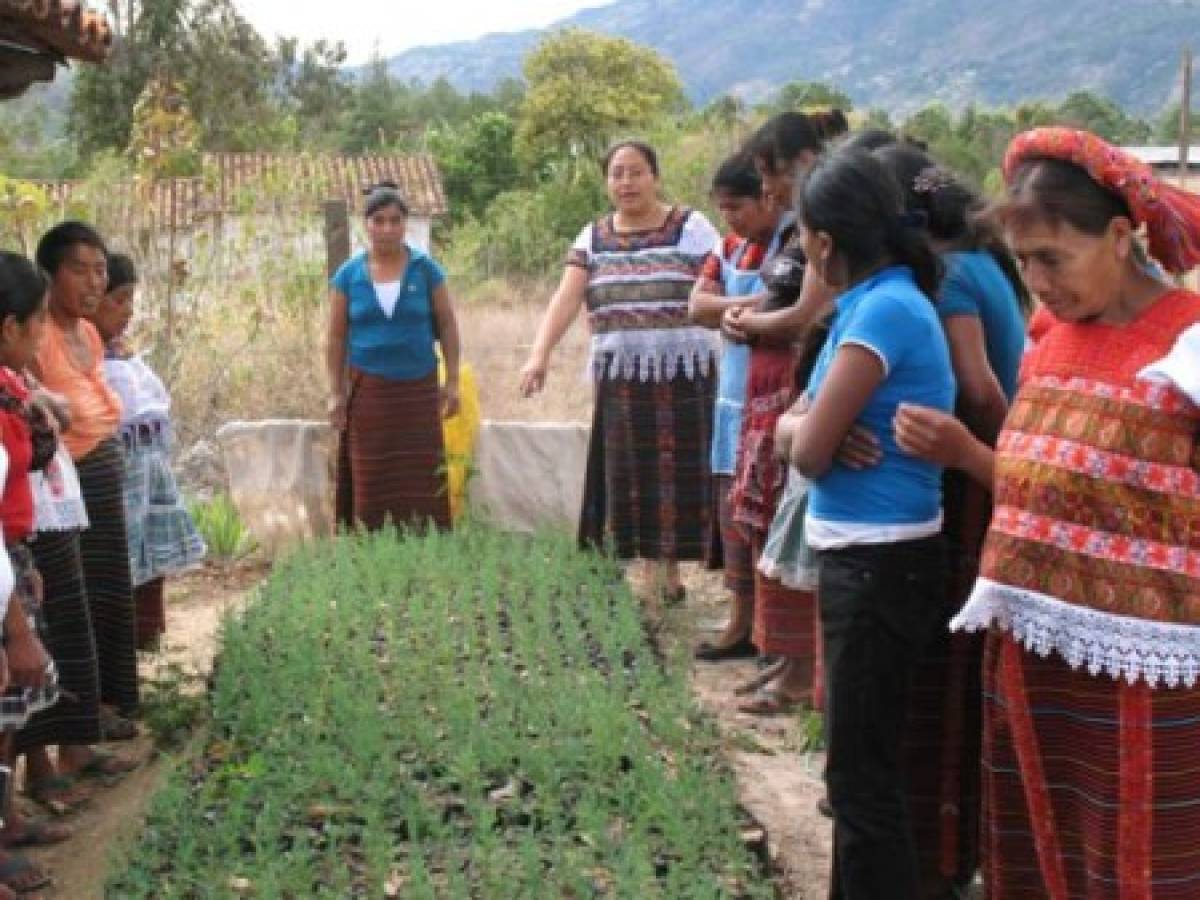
(648, 491)
(388, 307)
(881, 559)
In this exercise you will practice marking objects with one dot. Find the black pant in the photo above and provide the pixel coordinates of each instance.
(879, 608)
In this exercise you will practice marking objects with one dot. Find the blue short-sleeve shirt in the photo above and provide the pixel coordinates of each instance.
(976, 286)
(399, 346)
(890, 316)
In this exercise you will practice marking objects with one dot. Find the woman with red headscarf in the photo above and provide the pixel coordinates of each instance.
(1090, 578)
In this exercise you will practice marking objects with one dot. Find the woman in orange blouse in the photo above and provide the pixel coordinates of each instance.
(89, 597)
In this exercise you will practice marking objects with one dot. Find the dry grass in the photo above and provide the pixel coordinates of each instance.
(497, 334)
(239, 360)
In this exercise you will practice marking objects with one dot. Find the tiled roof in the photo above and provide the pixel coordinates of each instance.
(64, 28)
(227, 185)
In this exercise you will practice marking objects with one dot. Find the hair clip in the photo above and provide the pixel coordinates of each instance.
(914, 218)
(932, 179)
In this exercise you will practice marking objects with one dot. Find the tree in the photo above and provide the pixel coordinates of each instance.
(801, 96)
(222, 65)
(379, 113)
(477, 161)
(584, 90)
(313, 87)
(1103, 117)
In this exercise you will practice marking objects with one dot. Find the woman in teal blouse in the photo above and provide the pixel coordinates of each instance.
(389, 305)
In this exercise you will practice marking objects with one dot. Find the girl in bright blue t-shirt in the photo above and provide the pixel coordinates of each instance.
(877, 530)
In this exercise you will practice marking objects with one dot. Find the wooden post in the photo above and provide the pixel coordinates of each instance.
(1185, 120)
(337, 234)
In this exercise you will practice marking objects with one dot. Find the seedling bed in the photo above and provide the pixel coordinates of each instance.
(470, 715)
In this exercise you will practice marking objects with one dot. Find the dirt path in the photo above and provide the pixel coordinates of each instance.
(778, 783)
(195, 604)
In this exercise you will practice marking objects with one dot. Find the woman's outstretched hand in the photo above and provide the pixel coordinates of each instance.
(533, 377)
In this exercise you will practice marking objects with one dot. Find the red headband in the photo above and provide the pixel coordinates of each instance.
(1171, 215)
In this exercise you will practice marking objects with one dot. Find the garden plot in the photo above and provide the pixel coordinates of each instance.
(466, 715)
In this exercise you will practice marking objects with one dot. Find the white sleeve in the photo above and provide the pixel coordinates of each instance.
(1180, 367)
(699, 236)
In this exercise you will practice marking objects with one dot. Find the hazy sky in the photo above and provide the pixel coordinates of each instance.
(364, 25)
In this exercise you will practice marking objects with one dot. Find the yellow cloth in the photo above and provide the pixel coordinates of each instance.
(459, 433)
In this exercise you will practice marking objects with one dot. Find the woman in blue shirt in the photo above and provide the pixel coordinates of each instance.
(877, 530)
(389, 305)
(981, 303)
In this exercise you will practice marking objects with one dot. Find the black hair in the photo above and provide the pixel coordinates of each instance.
(952, 213)
(121, 272)
(645, 150)
(781, 139)
(22, 287)
(868, 139)
(383, 194)
(1055, 191)
(737, 177)
(851, 196)
(56, 243)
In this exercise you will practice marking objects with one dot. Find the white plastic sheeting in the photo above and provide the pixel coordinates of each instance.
(526, 476)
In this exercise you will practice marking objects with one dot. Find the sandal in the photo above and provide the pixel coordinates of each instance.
(116, 728)
(36, 833)
(770, 702)
(19, 874)
(759, 681)
(710, 652)
(59, 794)
(106, 766)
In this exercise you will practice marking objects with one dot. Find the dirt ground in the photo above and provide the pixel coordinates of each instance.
(778, 784)
(195, 605)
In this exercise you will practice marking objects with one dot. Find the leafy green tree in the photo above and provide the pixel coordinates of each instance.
(379, 114)
(477, 161)
(313, 86)
(584, 90)
(1166, 129)
(1102, 116)
(221, 63)
(804, 95)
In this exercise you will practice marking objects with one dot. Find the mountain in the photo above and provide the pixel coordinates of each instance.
(894, 54)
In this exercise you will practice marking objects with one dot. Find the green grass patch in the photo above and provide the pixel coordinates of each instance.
(219, 523)
(470, 715)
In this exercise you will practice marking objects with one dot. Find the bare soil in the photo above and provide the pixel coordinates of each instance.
(195, 604)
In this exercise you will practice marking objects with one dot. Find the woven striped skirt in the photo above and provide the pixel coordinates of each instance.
(391, 459)
(104, 548)
(69, 639)
(945, 715)
(729, 548)
(647, 493)
(1090, 784)
(787, 622)
(18, 704)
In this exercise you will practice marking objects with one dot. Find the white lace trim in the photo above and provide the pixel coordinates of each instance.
(654, 354)
(1119, 646)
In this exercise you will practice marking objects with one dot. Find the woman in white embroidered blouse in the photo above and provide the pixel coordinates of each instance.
(647, 493)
